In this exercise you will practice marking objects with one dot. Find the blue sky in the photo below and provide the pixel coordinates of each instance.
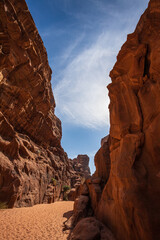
(82, 38)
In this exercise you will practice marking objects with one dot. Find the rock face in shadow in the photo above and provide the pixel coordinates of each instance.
(81, 172)
(89, 229)
(128, 163)
(31, 156)
(81, 166)
(129, 203)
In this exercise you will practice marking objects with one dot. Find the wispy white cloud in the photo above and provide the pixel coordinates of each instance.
(68, 52)
(51, 30)
(81, 94)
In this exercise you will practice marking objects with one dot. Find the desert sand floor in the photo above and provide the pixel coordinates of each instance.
(40, 222)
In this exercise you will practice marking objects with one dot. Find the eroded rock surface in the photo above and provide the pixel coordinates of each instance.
(128, 161)
(89, 229)
(132, 193)
(81, 165)
(80, 173)
(31, 157)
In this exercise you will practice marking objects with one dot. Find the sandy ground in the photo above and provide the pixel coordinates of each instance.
(40, 222)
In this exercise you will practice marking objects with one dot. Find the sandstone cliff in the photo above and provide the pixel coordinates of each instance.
(33, 165)
(127, 197)
(81, 170)
(80, 173)
(81, 165)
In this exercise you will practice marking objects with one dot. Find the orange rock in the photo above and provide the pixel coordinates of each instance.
(30, 150)
(130, 165)
(72, 194)
(81, 165)
(129, 201)
(91, 229)
(102, 161)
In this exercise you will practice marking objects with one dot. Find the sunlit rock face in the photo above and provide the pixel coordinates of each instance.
(30, 152)
(124, 191)
(129, 203)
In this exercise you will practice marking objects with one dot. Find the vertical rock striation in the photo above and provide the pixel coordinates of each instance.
(31, 157)
(128, 162)
(130, 200)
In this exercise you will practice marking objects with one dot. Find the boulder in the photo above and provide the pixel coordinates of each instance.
(91, 229)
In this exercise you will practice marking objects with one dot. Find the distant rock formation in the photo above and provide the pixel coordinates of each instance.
(33, 165)
(124, 192)
(81, 165)
(81, 172)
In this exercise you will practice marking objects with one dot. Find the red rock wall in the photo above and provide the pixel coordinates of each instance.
(129, 203)
(81, 165)
(30, 133)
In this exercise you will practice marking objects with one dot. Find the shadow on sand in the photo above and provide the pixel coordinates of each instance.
(67, 215)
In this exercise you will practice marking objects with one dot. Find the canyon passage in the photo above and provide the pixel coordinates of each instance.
(121, 199)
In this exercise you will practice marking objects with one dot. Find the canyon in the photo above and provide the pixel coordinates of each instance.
(121, 199)
(31, 157)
